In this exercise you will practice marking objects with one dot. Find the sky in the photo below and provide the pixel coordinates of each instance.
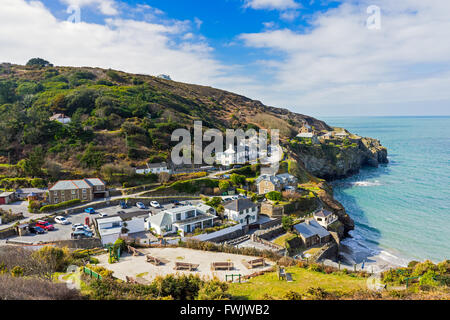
(315, 57)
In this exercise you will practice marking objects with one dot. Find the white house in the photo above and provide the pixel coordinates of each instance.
(155, 168)
(341, 134)
(226, 158)
(109, 229)
(325, 217)
(61, 118)
(308, 135)
(242, 211)
(183, 219)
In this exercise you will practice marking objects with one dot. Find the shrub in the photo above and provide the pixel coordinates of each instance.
(274, 196)
(292, 295)
(62, 205)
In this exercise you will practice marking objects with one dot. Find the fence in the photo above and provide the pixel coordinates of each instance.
(92, 274)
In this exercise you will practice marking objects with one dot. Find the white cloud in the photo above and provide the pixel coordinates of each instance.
(28, 29)
(271, 4)
(341, 62)
(106, 7)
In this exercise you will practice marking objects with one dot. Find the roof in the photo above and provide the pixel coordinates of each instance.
(157, 165)
(77, 184)
(322, 213)
(109, 219)
(343, 133)
(59, 116)
(6, 194)
(310, 229)
(240, 204)
(278, 179)
(306, 135)
(31, 190)
(161, 219)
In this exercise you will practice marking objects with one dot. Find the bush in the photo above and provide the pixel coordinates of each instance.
(274, 196)
(62, 205)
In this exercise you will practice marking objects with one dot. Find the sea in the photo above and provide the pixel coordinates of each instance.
(401, 209)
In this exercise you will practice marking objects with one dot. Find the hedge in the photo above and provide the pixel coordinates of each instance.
(62, 205)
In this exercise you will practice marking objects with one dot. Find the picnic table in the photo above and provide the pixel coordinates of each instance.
(254, 263)
(134, 251)
(185, 266)
(222, 266)
(154, 260)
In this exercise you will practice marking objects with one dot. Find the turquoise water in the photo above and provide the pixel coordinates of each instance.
(402, 208)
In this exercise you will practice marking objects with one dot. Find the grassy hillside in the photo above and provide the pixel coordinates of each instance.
(116, 117)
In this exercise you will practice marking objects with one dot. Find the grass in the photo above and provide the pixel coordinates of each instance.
(282, 239)
(140, 275)
(304, 279)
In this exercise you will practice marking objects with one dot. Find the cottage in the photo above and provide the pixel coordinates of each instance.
(312, 233)
(30, 194)
(85, 189)
(183, 219)
(309, 135)
(269, 183)
(61, 118)
(325, 217)
(341, 134)
(7, 197)
(155, 168)
(306, 128)
(243, 211)
(226, 158)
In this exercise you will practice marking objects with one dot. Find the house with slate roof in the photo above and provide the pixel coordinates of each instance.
(243, 211)
(312, 233)
(267, 183)
(325, 217)
(85, 190)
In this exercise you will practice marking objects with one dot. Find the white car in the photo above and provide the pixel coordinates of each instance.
(61, 220)
(155, 204)
(102, 215)
(140, 205)
(80, 226)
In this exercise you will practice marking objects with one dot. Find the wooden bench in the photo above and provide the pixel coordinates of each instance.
(222, 266)
(185, 266)
(154, 261)
(134, 251)
(131, 280)
(254, 263)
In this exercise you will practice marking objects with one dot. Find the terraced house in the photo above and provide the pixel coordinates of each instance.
(85, 189)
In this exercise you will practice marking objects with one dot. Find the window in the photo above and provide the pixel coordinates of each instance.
(73, 191)
(55, 200)
(178, 216)
(84, 191)
(62, 193)
(190, 214)
(55, 193)
(115, 224)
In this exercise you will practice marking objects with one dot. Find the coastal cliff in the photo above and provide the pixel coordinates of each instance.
(331, 161)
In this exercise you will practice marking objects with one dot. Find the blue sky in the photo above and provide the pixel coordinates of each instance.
(316, 57)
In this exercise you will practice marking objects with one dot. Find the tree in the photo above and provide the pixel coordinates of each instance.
(224, 185)
(38, 62)
(237, 179)
(32, 166)
(287, 223)
(163, 177)
(274, 196)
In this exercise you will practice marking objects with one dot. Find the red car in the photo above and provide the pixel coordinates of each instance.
(45, 225)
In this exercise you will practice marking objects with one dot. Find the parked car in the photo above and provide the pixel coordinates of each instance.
(176, 202)
(227, 199)
(102, 214)
(155, 204)
(80, 226)
(61, 220)
(234, 198)
(45, 225)
(140, 205)
(120, 212)
(35, 229)
(81, 233)
(89, 210)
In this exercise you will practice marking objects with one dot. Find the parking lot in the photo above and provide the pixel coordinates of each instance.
(63, 232)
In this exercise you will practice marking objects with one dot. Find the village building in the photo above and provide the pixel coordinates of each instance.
(306, 128)
(341, 134)
(269, 183)
(309, 135)
(109, 229)
(242, 211)
(30, 194)
(325, 217)
(155, 168)
(7, 197)
(312, 233)
(61, 118)
(182, 220)
(85, 190)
